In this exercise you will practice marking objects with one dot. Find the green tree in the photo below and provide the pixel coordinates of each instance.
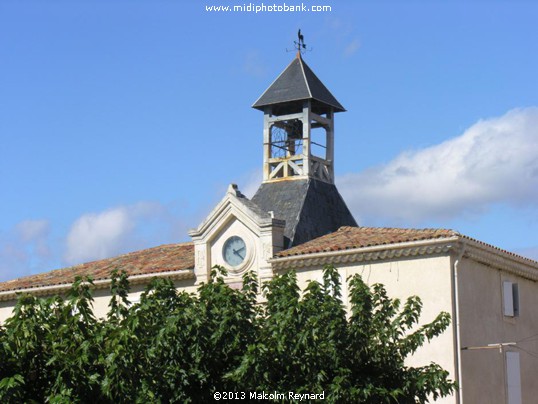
(308, 346)
(177, 347)
(48, 349)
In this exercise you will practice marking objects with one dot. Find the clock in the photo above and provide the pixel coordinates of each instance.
(234, 251)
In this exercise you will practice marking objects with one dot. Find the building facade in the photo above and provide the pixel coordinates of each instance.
(297, 220)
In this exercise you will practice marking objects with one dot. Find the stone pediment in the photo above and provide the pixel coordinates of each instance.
(238, 235)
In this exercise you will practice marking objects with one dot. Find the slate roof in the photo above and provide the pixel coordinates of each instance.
(311, 208)
(297, 82)
(250, 204)
(357, 237)
(164, 258)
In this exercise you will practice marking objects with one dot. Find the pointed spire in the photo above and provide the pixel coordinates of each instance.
(296, 83)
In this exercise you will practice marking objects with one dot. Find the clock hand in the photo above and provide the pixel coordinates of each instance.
(236, 252)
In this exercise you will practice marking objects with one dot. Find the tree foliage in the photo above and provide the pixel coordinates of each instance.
(172, 346)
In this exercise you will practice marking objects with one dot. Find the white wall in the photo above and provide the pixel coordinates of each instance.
(6, 308)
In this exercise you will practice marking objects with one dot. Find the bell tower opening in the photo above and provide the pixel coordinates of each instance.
(285, 149)
(298, 142)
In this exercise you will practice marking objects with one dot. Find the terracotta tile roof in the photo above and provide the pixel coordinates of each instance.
(347, 237)
(164, 258)
(175, 257)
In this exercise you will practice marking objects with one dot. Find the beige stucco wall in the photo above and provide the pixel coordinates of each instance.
(101, 298)
(483, 322)
(429, 278)
(6, 308)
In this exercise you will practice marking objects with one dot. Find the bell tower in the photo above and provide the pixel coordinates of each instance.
(298, 154)
(298, 129)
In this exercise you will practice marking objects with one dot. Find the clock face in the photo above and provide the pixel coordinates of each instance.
(234, 251)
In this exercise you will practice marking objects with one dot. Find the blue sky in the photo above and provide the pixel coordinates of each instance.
(123, 122)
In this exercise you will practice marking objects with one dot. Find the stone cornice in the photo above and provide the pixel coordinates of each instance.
(473, 249)
(361, 254)
(500, 259)
(183, 274)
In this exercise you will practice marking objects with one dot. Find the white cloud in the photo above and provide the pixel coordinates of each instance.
(35, 232)
(12, 259)
(28, 247)
(493, 161)
(250, 183)
(343, 32)
(341, 26)
(98, 235)
(114, 231)
(352, 47)
(25, 248)
(30, 230)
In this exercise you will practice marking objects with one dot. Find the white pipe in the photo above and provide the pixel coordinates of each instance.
(457, 322)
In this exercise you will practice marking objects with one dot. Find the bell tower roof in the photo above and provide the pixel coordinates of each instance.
(298, 154)
(296, 84)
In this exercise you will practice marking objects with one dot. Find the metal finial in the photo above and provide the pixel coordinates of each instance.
(299, 45)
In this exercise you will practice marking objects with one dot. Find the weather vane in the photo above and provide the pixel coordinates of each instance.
(300, 46)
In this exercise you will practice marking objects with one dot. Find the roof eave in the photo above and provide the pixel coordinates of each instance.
(472, 249)
(47, 290)
(261, 107)
(368, 253)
